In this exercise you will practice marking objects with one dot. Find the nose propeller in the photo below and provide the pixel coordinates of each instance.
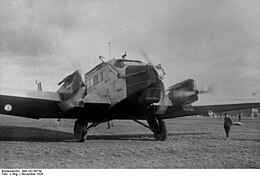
(162, 108)
(146, 57)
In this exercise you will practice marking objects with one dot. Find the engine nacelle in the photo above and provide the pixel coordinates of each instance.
(72, 90)
(183, 93)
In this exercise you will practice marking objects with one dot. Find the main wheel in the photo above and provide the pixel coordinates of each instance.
(158, 127)
(80, 130)
(161, 134)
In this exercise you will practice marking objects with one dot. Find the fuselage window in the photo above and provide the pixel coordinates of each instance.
(88, 84)
(95, 79)
(100, 77)
(103, 75)
(91, 82)
(118, 64)
(123, 63)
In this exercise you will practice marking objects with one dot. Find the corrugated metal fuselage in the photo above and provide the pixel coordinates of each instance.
(128, 95)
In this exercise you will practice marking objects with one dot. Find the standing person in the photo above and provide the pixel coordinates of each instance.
(227, 124)
(239, 118)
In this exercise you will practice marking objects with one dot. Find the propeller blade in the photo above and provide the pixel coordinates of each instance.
(179, 94)
(184, 93)
(145, 56)
(164, 101)
(163, 105)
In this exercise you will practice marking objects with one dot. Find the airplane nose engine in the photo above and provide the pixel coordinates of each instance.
(143, 84)
(183, 93)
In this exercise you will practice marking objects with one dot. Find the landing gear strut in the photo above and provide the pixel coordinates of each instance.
(157, 126)
(80, 130)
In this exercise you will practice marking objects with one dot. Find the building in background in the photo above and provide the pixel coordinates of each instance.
(244, 113)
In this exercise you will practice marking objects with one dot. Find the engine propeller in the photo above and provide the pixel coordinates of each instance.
(146, 57)
(162, 108)
(206, 89)
(176, 90)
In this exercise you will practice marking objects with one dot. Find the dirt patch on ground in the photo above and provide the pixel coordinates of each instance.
(192, 143)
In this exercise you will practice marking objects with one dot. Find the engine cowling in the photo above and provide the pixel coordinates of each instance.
(72, 90)
(183, 93)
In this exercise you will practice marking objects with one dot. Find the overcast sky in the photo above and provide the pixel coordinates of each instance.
(216, 42)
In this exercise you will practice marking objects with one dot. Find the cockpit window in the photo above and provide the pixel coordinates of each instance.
(123, 63)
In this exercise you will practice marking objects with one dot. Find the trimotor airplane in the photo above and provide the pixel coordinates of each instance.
(115, 89)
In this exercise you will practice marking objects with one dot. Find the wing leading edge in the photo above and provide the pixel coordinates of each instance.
(172, 112)
(41, 104)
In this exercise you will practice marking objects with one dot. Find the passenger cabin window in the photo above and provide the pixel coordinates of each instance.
(91, 82)
(100, 76)
(104, 75)
(88, 84)
(95, 79)
(123, 63)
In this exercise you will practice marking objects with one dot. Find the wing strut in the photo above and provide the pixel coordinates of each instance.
(94, 124)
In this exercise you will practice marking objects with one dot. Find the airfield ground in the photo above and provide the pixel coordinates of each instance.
(192, 143)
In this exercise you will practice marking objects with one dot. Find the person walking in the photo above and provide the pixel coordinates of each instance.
(227, 125)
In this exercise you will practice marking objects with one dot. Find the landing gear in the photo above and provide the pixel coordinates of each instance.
(158, 127)
(161, 133)
(80, 130)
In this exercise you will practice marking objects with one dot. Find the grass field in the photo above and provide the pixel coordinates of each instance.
(192, 143)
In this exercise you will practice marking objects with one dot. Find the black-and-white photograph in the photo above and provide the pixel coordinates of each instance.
(120, 84)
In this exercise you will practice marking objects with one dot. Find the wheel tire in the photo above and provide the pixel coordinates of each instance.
(80, 130)
(161, 135)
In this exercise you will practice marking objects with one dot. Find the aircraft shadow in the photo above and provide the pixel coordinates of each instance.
(137, 137)
(32, 134)
(134, 137)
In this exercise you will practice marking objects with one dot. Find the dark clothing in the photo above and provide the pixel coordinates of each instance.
(227, 130)
(227, 121)
(239, 118)
(227, 125)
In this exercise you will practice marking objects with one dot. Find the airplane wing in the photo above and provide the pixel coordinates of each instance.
(42, 104)
(204, 108)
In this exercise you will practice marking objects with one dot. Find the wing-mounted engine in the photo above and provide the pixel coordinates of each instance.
(183, 94)
(72, 90)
